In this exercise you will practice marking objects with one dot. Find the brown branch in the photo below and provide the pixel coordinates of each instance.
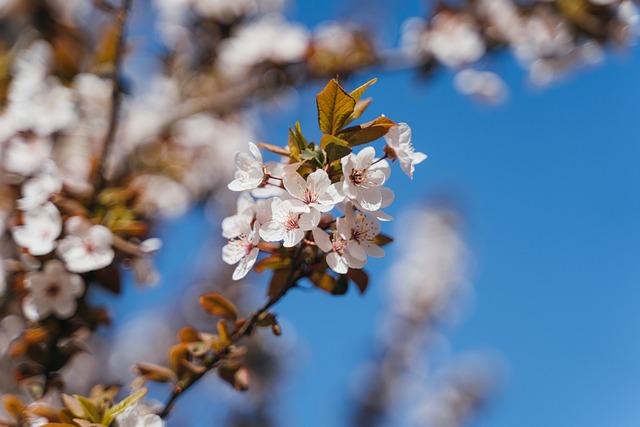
(244, 330)
(99, 180)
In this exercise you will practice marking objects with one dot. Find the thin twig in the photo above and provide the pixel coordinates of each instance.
(99, 179)
(244, 330)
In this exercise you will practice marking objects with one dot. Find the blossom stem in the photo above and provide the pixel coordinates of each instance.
(380, 159)
(99, 174)
(244, 330)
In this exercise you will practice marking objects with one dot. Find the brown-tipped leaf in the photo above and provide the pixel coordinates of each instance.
(216, 304)
(334, 107)
(274, 262)
(357, 93)
(360, 278)
(382, 239)
(367, 132)
(275, 149)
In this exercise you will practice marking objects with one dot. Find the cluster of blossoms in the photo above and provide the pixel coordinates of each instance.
(294, 200)
(547, 38)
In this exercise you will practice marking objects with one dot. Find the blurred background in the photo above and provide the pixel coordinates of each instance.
(525, 215)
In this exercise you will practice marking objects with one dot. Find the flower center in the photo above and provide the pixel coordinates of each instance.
(309, 197)
(53, 289)
(357, 177)
(292, 221)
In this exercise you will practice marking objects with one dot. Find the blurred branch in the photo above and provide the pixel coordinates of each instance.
(99, 179)
(243, 331)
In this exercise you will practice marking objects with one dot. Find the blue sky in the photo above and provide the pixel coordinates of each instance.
(549, 186)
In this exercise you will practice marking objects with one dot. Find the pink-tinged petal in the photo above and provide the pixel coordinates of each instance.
(292, 237)
(294, 184)
(406, 164)
(349, 190)
(374, 178)
(65, 307)
(272, 231)
(370, 198)
(354, 262)
(76, 285)
(392, 138)
(29, 309)
(355, 250)
(322, 239)
(337, 263)
(309, 221)
(245, 265)
(387, 196)
(384, 167)
(238, 185)
(233, 252)
(331, 197)
(404, 134)
(365, 158)
(246, 163)
(295, 205)
(373, 250)
(77, 225)
(418, 158)
(254, 236)
(318, 181)
(100, 235)
(255, 151)
(245, 204)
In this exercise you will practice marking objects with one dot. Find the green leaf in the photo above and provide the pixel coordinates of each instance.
(335, 147)
(315, 153)
(367, 132)
(214, 303)
(89, 408)
(334, 107)
(119, 407)
(356, 94)
(297, 142)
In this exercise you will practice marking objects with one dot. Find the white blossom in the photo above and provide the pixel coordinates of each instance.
(11, 327)
(233, 226)
(86, 247)
(52, 291)
(288, 223)
(144, 271)
(316, 191)
(250, 172)
(161, 195)
(335, 245)
(359, 231)
(453, 40)
(363, 178)
(139, 416)
(40, 229)
(37, 190)
(242, 250)
(398, 140)
(26, 153)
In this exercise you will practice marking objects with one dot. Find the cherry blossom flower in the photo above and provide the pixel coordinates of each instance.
(250, 171)
(144, 271)
(52, 291)
(26, 153)
(86, 247)
(40, 229)
(139, 416)
(454, 39)
(288, 223)
(359, 231)
(36, 191)
(233, 226)
(379, 214)
(338, 257)
(242, 250)
(399, 144)
(363, 178)
(316, 191)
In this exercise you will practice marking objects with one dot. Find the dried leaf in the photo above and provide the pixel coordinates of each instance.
(224, 333)
(89, 408)
(273, 263)
(382, 239)
(278, 282)
(367, 132)
(236, 375)
(13, 405)
(275, 149)
(357, 93)
(216, 304)
(188, 334)
(157, 373)
(334, 107)
(360, 278)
